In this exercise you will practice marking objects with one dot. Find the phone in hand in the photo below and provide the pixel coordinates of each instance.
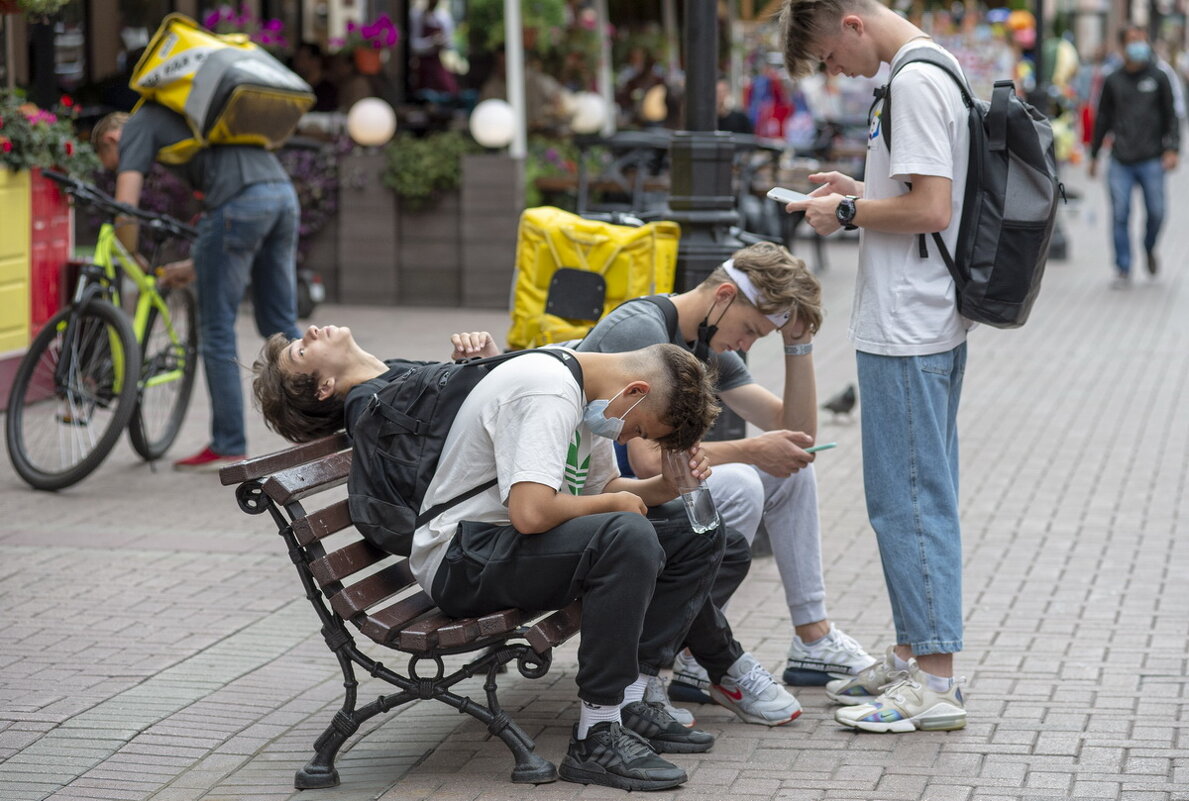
(782, 195)
(823, 447)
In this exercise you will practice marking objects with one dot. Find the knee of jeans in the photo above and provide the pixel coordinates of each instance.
(634, 539)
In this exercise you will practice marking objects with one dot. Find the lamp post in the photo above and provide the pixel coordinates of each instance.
(701, 198)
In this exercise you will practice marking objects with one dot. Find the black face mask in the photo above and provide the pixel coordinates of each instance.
(706, 332)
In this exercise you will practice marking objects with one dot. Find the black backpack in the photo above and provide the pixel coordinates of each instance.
(1010, 205)
(398, 440)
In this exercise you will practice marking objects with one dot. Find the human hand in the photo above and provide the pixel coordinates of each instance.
(833, 183)
(175, 274)
(796, 331)
(1169, 160)
(780, 453)
(819, 212)
(679, 465)
(626, 502)
(475, 344)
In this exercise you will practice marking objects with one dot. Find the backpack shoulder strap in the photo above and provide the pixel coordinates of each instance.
(926, 55)
(668, 308)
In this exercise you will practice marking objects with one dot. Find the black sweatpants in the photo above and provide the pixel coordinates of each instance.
(642, 582)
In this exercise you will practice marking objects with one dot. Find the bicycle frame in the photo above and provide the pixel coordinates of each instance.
(111, 263)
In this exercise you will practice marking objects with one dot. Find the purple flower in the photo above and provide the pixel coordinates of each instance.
(336, 42)
(212, 19)
(352, 26)
(274, 25)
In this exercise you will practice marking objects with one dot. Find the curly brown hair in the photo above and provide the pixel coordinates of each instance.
(688, 403)
(783, 281)
(289, 401)
(804, 22)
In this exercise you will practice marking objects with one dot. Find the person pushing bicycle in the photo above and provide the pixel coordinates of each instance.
(247, 234)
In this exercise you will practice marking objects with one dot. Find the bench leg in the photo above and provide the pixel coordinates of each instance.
(320, 772)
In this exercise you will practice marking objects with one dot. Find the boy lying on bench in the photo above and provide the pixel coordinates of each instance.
(559, 524)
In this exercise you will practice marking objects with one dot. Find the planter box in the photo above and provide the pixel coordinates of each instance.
(430, 253)
(492, 199)
(366, 232)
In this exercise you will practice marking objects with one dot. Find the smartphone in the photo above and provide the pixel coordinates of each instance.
(782, 195)
(823, 447)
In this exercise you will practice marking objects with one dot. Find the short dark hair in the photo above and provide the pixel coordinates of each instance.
(802, 24)
(289, 400)
(688, 404)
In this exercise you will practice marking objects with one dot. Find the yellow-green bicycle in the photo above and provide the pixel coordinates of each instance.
(91, 371)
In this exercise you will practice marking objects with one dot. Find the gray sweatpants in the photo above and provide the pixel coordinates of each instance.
(744, 495)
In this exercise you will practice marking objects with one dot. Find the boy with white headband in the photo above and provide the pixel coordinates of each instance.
(762, 289)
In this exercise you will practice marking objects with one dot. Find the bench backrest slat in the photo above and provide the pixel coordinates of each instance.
(357, 598)
(268, 464)
(322, 523)
(295, 483)
(346, 561)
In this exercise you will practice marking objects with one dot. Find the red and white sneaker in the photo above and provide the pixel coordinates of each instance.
(753, 695)
(206, 461)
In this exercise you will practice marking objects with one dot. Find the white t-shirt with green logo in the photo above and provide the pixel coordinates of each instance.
(521, 423)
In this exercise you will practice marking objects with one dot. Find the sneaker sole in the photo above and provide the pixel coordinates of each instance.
(799, 677)
(597, 775)
(723, 700)
(678, 747)
(948, 718)
(688, 694)
(850, 700)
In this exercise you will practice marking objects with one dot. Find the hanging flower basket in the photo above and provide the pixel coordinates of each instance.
(367, 60)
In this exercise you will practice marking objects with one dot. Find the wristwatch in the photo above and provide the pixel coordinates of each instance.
(846, 212)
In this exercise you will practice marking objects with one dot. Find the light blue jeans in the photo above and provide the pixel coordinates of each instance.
(910, 472)
(1122, 178)
(250, 238)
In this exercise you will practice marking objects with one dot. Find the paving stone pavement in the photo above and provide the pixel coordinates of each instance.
(154, 643)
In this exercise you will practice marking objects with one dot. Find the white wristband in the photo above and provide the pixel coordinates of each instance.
(798, 350)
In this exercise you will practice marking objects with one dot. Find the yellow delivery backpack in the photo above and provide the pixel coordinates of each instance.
(229, 90)
(570, 271)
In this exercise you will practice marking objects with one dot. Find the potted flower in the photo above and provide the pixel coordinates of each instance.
(369, 43)
(268, 33)
(32, 138)
(38, 8)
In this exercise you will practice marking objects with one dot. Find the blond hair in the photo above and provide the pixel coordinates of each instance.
(109, 124)
(783, 281)
(803, 23)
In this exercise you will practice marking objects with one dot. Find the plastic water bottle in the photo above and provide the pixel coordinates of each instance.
(699, 505)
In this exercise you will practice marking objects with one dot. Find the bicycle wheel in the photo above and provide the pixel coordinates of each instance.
(166, 374)
(58, 431)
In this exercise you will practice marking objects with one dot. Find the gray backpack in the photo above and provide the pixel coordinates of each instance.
(1010, 206)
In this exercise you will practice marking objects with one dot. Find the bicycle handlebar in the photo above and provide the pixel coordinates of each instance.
(93, 195)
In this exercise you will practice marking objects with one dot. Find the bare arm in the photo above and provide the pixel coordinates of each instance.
(534, 508)
(924, 209)
(129, 185)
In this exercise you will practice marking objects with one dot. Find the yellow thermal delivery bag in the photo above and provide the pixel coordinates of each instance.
(229, 90)
(570, 271)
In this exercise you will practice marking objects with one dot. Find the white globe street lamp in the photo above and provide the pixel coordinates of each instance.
(371, 122)
(493, 123)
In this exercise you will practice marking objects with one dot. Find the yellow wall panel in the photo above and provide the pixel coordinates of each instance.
(14, 260)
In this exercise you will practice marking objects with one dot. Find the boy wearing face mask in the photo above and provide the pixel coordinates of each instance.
(559, 524)
(1137, 108)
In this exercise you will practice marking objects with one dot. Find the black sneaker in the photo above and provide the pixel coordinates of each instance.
(653, 722)
(617, 757)
(1153, 263)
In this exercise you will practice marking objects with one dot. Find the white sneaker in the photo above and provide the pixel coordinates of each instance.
(867, 685)
(753, 695)
(654, 692)
(835, 656)
(690, 683)
(907, 705)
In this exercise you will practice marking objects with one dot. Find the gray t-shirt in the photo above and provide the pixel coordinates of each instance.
(638, 324)
(218, 172)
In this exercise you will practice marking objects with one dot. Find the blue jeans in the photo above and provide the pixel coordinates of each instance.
(910, 472)
(250, 238)
(1122, 178)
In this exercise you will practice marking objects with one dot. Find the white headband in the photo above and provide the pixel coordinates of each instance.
(751, 293)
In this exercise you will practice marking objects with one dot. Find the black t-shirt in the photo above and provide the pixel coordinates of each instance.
(360, 394)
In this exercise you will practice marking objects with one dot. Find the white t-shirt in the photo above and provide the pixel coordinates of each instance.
(905, 305)
(523, 422)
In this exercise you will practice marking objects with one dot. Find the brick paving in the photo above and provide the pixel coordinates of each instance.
(155, 644)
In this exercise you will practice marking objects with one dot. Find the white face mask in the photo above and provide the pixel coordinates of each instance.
(596, 419)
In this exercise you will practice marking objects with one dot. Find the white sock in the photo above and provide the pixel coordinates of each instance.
(898, 663)
(938, 684)
(634, 691)
(591, 714)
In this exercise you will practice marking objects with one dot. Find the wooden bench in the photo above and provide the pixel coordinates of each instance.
(347, 579)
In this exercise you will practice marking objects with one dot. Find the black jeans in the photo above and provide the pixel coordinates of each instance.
(642, 583)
